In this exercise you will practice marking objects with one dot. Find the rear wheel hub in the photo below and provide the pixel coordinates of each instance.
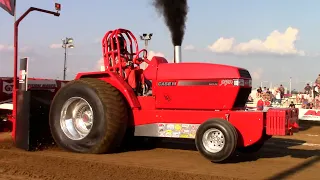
(76, 118)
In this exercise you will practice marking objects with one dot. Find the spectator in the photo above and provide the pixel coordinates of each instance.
(292, 105)
(269, 96)
(263, 102)
(307, 89)
(315, 90)
(303, 98)
(298, 97)
(317, 101)
(305, 102)
(281, 89)
(317, 81)
(268, 91)
(268, 100)
(259, 91)
(309, 105)
(264, 89)
(272, 97)
(278, 96)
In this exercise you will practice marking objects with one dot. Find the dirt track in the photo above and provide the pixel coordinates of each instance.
(294, 158)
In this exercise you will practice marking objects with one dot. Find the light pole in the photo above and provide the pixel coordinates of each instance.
(66, 43)
(290, 85)
(146, 37)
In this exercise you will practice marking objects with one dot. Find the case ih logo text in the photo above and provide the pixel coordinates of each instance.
(226, 82)
(167, 83)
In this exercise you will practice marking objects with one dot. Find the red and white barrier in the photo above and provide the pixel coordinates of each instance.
(309, 114)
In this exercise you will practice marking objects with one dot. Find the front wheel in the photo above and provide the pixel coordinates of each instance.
(216, 140)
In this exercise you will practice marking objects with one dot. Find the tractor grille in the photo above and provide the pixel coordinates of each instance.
(242, 97)
(244, 73)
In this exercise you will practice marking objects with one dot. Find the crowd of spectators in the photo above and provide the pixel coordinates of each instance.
(309, 98)
(274, 97)
(268, 97)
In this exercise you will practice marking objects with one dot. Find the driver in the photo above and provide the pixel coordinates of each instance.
(122, 44)
(122, 51)
(132, 72)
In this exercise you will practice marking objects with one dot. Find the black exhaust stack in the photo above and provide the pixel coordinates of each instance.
(32, 127)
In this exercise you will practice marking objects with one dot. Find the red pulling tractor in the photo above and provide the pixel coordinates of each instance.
(200, 101)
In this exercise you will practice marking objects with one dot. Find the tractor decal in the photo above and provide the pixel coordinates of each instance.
(176, 130)
(175, 134)
(226, 82)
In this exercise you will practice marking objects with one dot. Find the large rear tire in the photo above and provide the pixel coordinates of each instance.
(88, 116)
(216, 140)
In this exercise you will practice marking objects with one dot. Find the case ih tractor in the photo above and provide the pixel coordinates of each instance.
(201, 101)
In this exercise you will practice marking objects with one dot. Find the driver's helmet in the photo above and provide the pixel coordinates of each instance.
(122, 44)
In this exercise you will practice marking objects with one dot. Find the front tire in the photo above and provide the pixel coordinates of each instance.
(88, 116)
(216, 140)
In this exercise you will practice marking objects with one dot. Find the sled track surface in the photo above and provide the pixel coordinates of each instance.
(295, 157)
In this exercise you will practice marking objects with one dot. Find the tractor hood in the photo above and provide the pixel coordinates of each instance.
(200, 71)
(198, 85)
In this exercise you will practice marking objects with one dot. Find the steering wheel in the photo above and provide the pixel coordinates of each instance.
(136, 58)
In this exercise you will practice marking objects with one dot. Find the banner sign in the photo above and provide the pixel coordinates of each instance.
(309, 114)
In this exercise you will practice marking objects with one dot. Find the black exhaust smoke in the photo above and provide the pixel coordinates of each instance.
(175, 15)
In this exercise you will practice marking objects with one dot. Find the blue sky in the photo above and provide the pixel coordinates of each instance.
(294, 54)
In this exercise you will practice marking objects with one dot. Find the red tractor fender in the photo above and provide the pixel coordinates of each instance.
(117, 82)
